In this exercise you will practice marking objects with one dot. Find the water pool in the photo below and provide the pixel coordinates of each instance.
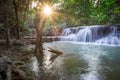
(79, 62)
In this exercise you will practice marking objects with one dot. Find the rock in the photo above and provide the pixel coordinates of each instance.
(19, 71)
(20, 65)
(17, 63)
(18, 43)
(5, 68)
(20, 75)
(5, 59)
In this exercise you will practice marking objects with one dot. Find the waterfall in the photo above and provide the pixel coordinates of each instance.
(66, 32)
(100, 34)
(84, 35)
(112, 38)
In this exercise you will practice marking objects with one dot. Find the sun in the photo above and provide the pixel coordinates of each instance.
(47, 10)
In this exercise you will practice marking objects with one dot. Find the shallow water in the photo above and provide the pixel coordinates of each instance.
(80, 61)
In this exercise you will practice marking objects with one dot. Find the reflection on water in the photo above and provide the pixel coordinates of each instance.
(79, 62)
(92, 57)
(34, 65)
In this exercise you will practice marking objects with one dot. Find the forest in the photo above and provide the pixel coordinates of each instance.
(27, 28)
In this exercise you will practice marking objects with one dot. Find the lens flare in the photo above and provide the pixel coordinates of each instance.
(47, 10)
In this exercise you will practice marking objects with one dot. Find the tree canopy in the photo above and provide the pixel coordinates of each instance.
(91, 12)
(21, 13)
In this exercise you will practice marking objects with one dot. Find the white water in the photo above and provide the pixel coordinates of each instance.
(95, 34)
(84, 35)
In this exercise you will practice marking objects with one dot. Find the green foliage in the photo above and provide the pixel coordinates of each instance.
(77, 12)
(18, 12)
(87, 12)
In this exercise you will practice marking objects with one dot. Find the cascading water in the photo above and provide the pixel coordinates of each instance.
(81, 61)
(96, 34)
(111, 38)
(84, 35)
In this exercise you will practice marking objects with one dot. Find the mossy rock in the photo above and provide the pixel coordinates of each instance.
(17, 63)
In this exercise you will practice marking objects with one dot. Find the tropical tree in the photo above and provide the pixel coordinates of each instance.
(89, 12)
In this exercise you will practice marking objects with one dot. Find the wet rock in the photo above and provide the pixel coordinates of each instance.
(18, 43)
(20, 65)
(19, 71)
(20, 75)
(5, 59)
(5, 68)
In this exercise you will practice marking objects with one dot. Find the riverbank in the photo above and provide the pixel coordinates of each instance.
(18, 62)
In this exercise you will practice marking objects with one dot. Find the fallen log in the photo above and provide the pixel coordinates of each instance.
(55, 51)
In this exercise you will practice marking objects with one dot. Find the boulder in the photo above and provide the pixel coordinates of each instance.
(5, 68)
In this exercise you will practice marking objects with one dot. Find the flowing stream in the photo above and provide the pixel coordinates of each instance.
(80, 61)
(89, 53)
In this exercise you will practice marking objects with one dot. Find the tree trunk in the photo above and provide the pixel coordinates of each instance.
(39, 46)
(7, 36)
(7, 28)
(17, 21)
(39, 24)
